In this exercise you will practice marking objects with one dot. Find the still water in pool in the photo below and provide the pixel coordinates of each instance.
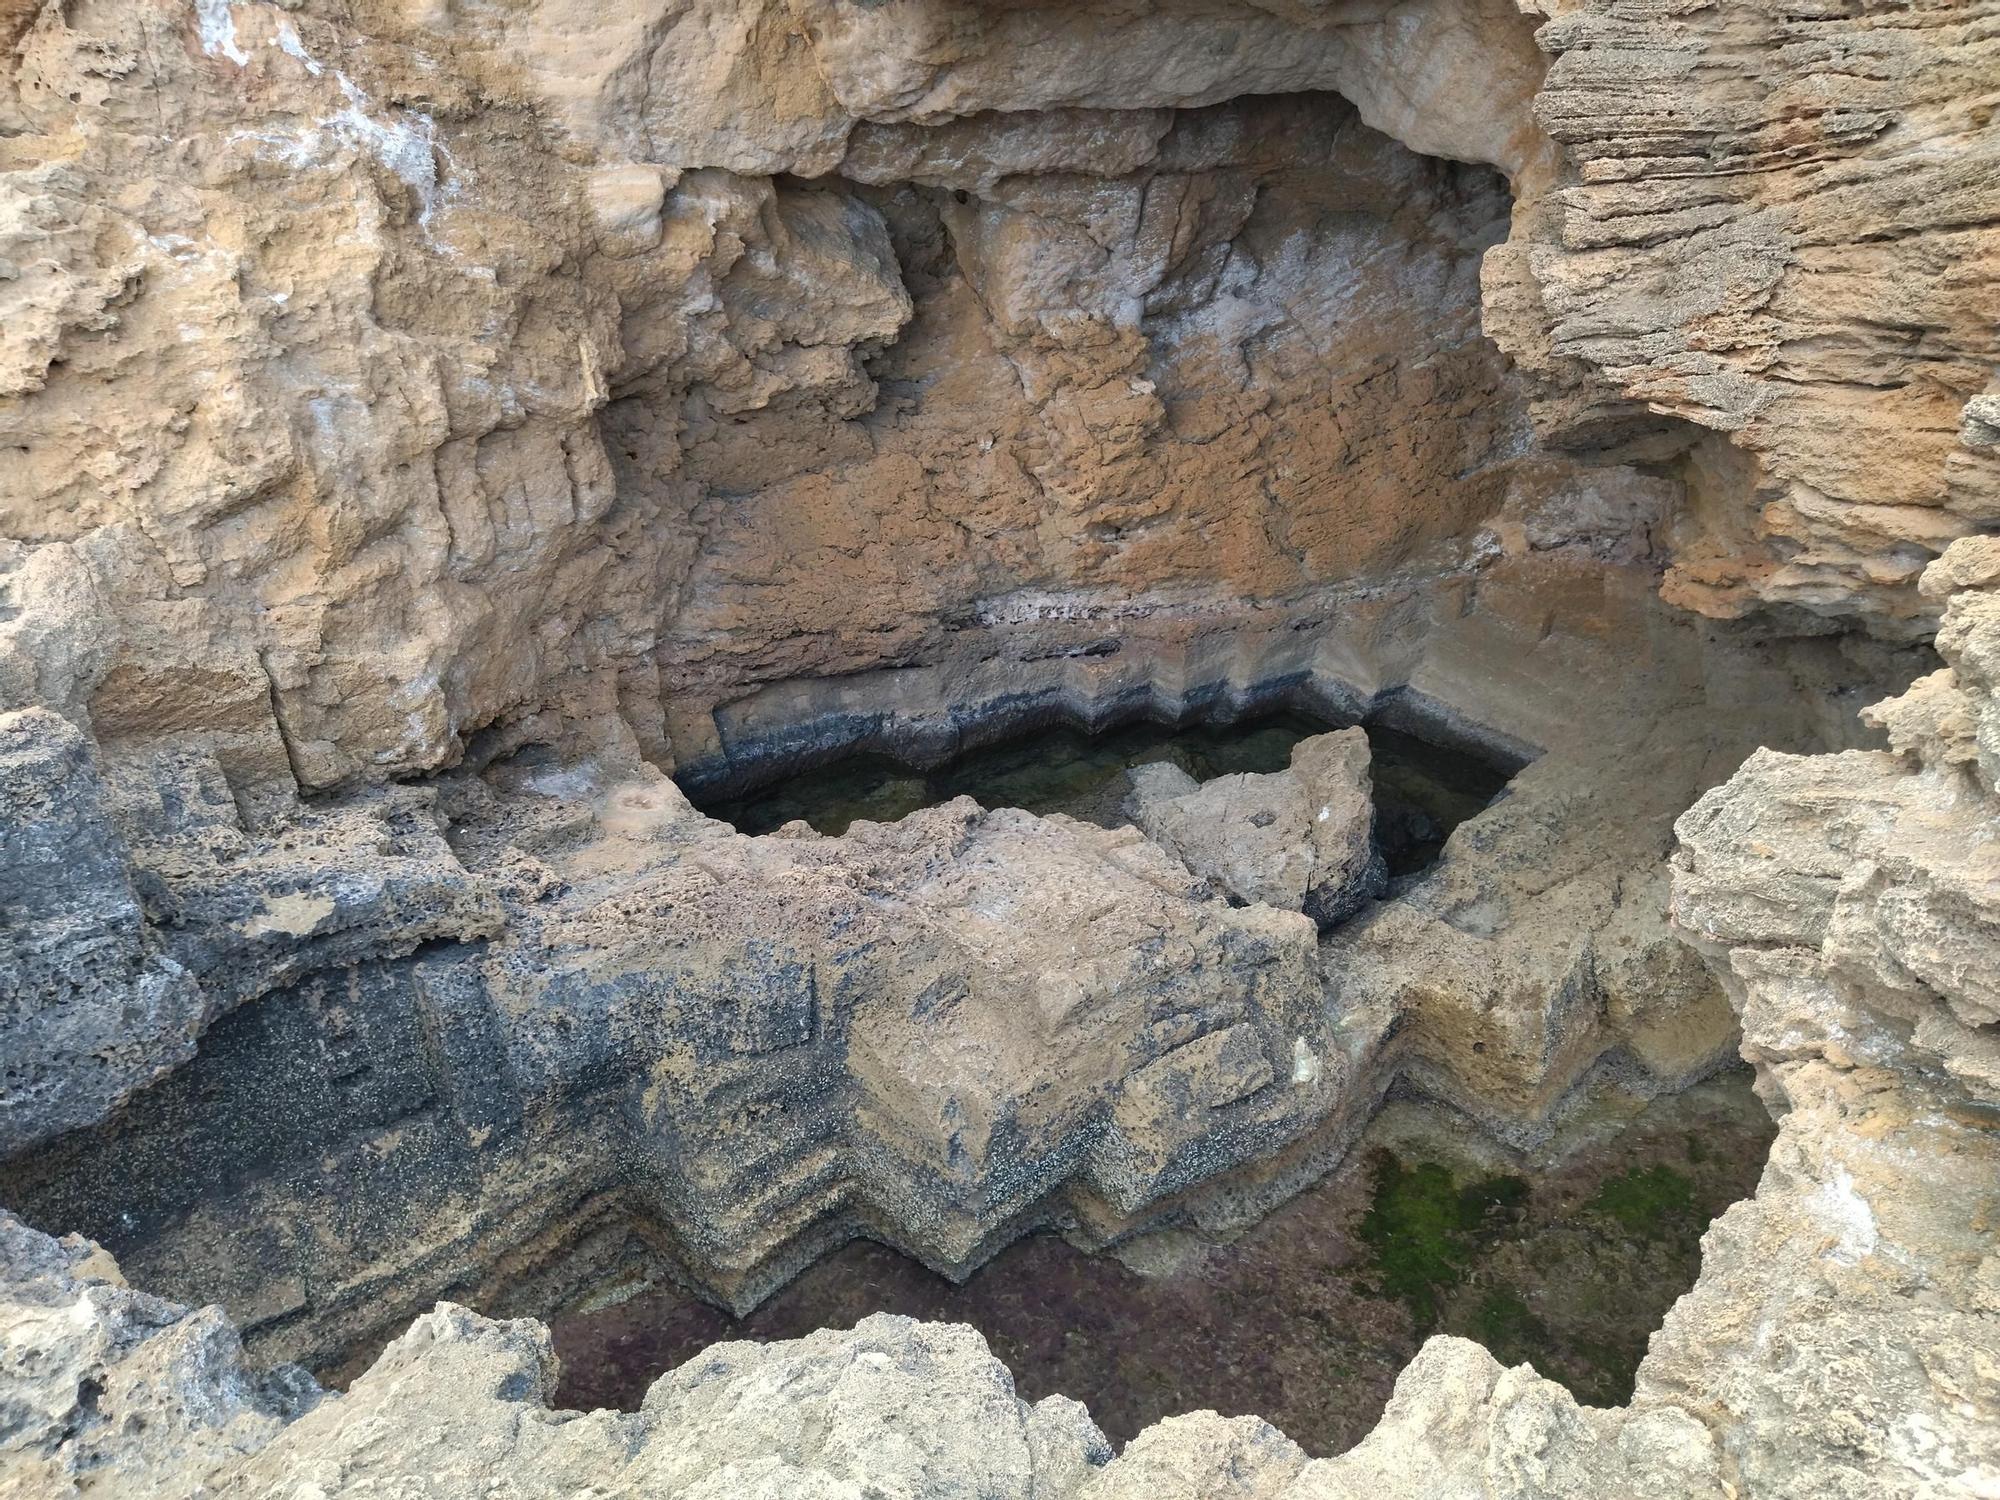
(1422, 791)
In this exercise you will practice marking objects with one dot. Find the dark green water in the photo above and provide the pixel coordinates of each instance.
(1422, 791)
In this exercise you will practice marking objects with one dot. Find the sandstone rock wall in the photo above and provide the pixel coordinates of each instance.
(370, 383)
(377, 383)
(1778, 224)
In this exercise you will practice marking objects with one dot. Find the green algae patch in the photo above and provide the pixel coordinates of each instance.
(1424, 1229)
(1648, 1201)
(1508, 1327)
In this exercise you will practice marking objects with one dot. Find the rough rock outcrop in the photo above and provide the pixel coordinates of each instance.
(940, 1031)
(128, 925)
(1534, 949)
(458, 1405)
(110, 1392)
(682, 1052)
(1851, 903)
(107, 1390)
(1739, 184)
(451, 375)
(1301, 839)
(1841, 1340)
(597, 406)
(536, 399)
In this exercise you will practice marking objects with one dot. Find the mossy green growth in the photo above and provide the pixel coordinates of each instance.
(1425, 1229)
(1508, 1327)
(1648, 1201)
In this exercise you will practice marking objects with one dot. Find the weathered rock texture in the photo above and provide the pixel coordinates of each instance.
(929, 1027)
(425, 385)
(1851, 905)
(421, 429)
(1841, 1341)
(1741, 188)
(527, 1031)
(375, 379)
(1300, 839)
(133, 918)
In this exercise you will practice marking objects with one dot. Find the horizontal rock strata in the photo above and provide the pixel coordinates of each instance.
(1840, 1340)
(1740, 185)
(547, 1027)
(425, 430)
(463, 376)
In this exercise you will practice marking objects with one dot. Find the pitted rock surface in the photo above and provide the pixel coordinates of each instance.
(422, 430)
(455, 373)
(1300, 839)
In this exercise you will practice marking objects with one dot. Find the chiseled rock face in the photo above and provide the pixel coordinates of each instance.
(966, 1007)
(1301, 839)
(1535, 946)
(133, 915)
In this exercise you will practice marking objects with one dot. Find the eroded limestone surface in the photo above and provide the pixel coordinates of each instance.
(617, 1039)
(1841, 1339)
(377, 378)
(424, 429)
(1566, 1256)
(136, 913)
(1300, 839)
